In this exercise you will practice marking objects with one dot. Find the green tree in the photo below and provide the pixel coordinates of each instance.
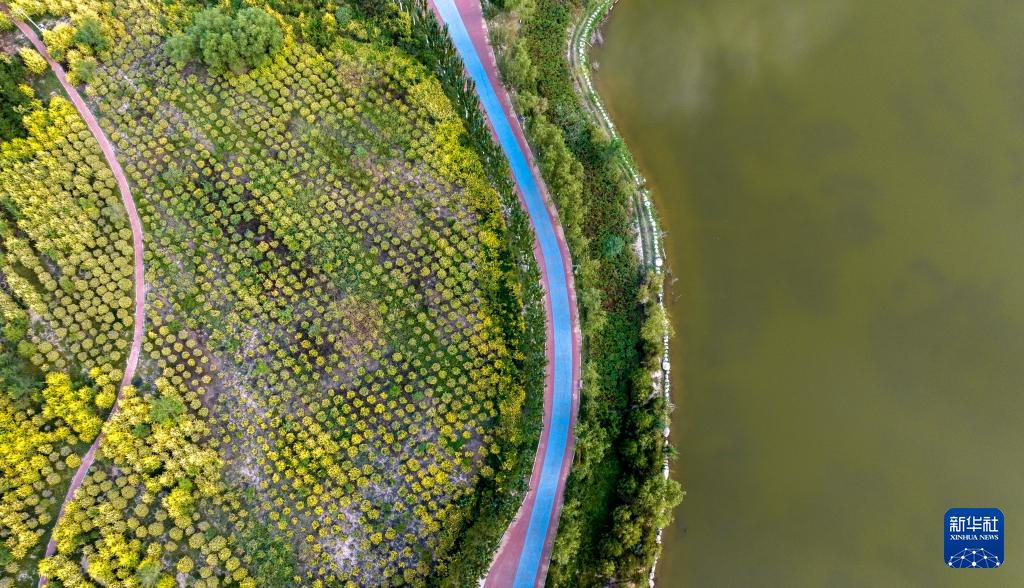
(83, 69)
(257, 34)
(13, 102)
(90, 34)
(224, 42)
(181, 48)
(166, 408)
(148, 573)
(276, 564)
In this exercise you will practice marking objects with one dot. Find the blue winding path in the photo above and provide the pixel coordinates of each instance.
(555, 268)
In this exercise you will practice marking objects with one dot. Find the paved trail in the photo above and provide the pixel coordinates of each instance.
(525, 550)
(136, 224)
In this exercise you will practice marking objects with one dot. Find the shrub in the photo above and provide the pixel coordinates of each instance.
(83, 70)
(33, 60)
(59, 39)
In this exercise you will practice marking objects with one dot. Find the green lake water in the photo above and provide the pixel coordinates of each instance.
(842, 186)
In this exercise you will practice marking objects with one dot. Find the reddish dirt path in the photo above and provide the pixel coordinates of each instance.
(503, 568)
(136, 225)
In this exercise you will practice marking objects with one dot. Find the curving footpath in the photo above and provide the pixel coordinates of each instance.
(139, 269)
(525, 551)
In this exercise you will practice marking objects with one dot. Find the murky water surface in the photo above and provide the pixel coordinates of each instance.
(842, 182)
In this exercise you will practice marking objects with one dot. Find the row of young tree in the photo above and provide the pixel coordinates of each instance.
(413, 26)
(65, 249)
(65, 306)
(196, 337)
(335, 316)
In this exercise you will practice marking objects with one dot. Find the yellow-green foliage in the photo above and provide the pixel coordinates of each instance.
(30, 456)
(170, 453)
(59, 39)
(73, 8)
(36, 461)
(74, 407)
(139, 512)
(66, 252)
(106, 386)
(322, 259)
(33, 60)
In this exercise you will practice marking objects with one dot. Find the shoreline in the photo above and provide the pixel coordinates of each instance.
(649, 234)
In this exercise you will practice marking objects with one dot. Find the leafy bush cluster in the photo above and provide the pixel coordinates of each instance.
(41, 445)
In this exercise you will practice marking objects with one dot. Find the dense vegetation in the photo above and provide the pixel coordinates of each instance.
(412, 25)
(616, 497)
(41, 449)
(343, 358)
(14, 101)
(65, 305)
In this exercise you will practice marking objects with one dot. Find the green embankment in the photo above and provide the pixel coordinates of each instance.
(617, 497)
